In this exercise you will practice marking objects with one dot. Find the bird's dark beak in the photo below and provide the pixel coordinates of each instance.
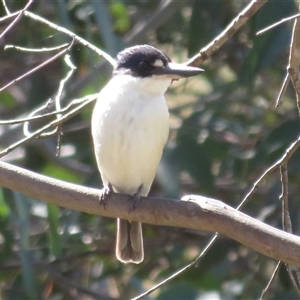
(177, 71)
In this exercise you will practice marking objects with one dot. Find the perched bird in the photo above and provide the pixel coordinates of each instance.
(130, 128)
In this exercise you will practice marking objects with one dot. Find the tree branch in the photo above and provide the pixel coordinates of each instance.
(52, 124)
(194, 212)
(227, 33)
(14, 22)
(294, 60)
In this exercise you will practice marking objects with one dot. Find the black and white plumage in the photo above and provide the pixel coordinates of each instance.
(130, 128)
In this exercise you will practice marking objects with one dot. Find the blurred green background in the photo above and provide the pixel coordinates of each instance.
(224, 133)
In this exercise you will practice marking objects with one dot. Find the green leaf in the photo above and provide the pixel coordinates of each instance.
(7, 100)
(121, 17)
(55, 171)
(54, 237)
(4, 209)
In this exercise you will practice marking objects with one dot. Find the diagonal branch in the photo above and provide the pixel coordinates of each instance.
(226, 34)
(39, 66)
(14, 22)
(50, 125)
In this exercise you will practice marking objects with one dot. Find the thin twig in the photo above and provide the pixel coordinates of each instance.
(295, 281)
(14, 22)
(282, 90)
(286, 156)
(58, 97)
(53, 124)
(77, 38)
(32, 118)
(71, 34)
(268, 287)
(185, 268)
(58, 109)
(293, 73)
(63, 82)
(286, 219)
(278, 23)
(38, 67)
(5, 7)
(229, 31)
(59, 132)
(44, 49)
(294, 60)
(3, 19)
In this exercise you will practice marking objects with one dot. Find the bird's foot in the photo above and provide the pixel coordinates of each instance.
(135, 199)
(105, 193)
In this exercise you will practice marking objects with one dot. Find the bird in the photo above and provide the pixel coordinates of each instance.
(130, 127)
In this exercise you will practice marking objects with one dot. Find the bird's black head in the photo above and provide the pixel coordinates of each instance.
(140, 61)
(146, 61)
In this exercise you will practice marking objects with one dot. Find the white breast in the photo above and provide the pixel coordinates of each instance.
(130, 129)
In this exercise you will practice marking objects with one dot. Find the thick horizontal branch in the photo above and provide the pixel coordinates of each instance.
(194, 212)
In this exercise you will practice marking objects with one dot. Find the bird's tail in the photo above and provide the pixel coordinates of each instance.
(129, 247)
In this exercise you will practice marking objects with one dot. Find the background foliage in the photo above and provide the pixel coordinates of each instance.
(225, 131)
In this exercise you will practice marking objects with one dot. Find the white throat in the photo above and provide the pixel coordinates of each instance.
(149, 86)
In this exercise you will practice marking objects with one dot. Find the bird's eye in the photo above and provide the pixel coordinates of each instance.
(158, 63)
(147, 67)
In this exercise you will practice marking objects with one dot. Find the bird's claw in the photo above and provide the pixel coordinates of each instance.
(105, 194)
(135, 199)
